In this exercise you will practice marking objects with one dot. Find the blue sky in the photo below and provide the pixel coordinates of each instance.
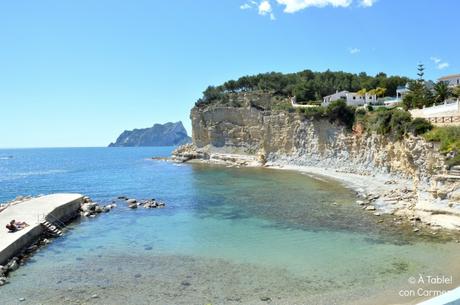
(79, 72)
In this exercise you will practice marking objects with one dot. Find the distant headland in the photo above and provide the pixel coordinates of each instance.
(168, 134)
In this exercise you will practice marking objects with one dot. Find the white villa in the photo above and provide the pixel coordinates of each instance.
(401, 91)
(452, 80)
(352, 98)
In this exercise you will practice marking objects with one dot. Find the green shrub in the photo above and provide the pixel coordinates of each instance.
(419, 126)
(379, 122)
(399, 123)
(283, 107)
(394, 123)
(312, 112)
(338, 111)
(448, 137)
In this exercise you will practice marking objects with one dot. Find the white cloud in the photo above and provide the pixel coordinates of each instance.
(440, 64)
(265, 8)
(443, 65)
(292, 6)
(367, 3)
(249, 5)
(435, 59)
(354, 50)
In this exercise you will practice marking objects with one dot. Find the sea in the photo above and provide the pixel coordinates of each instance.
(226, 236)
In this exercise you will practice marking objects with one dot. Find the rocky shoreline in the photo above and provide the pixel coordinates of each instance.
(378, 193)
(88, 209)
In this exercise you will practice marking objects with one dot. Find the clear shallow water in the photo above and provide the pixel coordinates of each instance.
(227, 236)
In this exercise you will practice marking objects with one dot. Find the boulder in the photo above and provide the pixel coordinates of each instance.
(370, 208)
(98, 209)
(12, 265)
(88, 207)
(130, 201)
(3, 280)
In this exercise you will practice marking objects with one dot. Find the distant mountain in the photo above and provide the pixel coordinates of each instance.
(169, 134)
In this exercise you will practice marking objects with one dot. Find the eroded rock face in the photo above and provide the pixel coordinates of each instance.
(287, 137)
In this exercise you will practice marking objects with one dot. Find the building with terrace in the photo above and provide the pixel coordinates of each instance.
(452, 80)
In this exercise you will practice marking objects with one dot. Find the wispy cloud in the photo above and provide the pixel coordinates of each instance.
(265, 8)
(292, 6)
(367, 3)
(440, 64)
(443, 65)
(354, 50)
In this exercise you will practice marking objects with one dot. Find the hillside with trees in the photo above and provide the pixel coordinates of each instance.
(307, 86)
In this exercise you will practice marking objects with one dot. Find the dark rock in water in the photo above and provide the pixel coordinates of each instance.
(148, 248)
(185, 283)
(169, 134)
(138, 275)
(265, 299)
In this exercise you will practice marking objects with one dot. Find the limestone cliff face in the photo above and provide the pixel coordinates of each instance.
(282, 136)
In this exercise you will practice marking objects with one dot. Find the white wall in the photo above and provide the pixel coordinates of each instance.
(439, 110)
(352, 99)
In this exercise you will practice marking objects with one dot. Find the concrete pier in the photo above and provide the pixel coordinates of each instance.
(55, 207)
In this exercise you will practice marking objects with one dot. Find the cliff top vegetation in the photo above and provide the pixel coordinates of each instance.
(306, 86)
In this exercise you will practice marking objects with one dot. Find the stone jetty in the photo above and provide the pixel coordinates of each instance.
(55, 208)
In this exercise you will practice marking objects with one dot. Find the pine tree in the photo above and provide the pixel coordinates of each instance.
(421, 72)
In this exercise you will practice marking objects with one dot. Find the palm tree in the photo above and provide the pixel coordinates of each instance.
(456, 92)
(442, 91)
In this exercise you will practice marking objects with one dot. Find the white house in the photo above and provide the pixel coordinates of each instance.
(451, 80)
(401, 91)
(351, 98)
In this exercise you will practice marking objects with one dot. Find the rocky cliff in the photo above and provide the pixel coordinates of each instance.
(289, 137)
(169, 134)
(234, 134)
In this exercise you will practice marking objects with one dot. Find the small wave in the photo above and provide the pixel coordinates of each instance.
(6, 157)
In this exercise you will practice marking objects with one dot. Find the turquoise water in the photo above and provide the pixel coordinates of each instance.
(227, 236)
